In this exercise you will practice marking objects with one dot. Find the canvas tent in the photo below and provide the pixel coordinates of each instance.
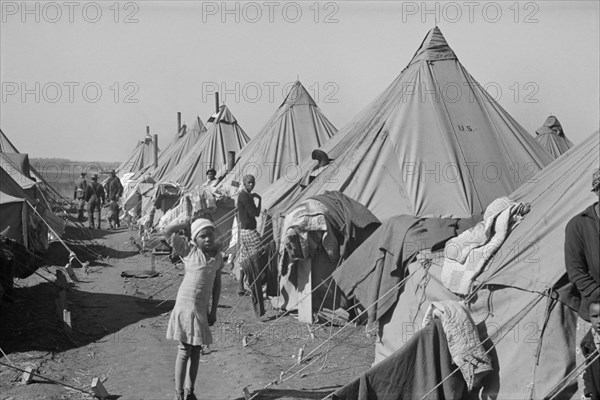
(223, 134)
(49, 192)
(434, 143)
(141, 157)
(175, 153)
(17, 166)
(522, 300)
(6, 145)
(295, 129)
(552, 137)
(26, 227)
(317, 236)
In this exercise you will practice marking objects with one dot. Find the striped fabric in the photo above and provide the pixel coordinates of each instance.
(249, 243)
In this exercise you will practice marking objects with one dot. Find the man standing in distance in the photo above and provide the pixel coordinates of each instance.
(114, 191)
(79, 194)
(94, 195)
(113, 187)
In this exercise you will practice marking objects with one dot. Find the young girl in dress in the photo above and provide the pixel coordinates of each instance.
(190, 319)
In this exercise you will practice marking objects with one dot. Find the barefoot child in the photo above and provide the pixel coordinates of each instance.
(590, 346)
(113, 214)
(190, 319)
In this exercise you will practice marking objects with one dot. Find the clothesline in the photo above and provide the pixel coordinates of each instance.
(570, 377)
(399, 284)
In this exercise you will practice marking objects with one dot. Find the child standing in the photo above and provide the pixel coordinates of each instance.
(590, 346)
(113, 214)
(190, 319)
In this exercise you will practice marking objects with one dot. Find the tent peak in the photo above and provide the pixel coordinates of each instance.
(198, 126)
(223, 116)
(298, 95)
(6, 145)
(434, 48)
(551, 125)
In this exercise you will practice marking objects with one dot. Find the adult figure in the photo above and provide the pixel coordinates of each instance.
(211, 177)
(79, 195)
(323, 161)
(249, 238)
(95, 197)
(113, 186)
(582, 253)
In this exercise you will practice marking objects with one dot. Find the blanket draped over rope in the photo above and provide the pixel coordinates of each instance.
(380, 263)
(411, 372)
(466, 255)
(463, 340)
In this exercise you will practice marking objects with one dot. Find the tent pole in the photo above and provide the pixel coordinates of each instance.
(155, 150)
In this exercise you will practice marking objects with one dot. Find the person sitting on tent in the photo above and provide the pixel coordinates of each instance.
(95, 197)
(249, 236)
(113, 187)
(590, 345)
(211, 177)
(79, 195)
(582, 253)
(323, 161)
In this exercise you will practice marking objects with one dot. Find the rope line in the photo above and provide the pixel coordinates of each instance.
(571, 376)
(393, 288)
(530, 305)
(48, 379)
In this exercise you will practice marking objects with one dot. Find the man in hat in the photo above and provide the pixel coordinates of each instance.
(113, 186)
(95, 197)
(79, 195)
(114, 191)
(582, 253)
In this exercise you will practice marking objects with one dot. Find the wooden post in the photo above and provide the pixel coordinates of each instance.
(246, 392)
(155, 150)
(67, 321)
(26, 378)
(217, 102)
(178, 122)
(71, 273)
(99, 389)
(304, 268)
(61, 280)
(62, 296)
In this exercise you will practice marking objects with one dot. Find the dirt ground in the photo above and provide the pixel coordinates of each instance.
(118, 335)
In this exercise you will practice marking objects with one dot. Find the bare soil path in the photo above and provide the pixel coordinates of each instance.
(118, 336)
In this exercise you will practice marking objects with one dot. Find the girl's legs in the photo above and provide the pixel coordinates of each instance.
(186, 367)
(193, 368)
(183, 354)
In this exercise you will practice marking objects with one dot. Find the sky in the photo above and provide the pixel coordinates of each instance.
(82, 80)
